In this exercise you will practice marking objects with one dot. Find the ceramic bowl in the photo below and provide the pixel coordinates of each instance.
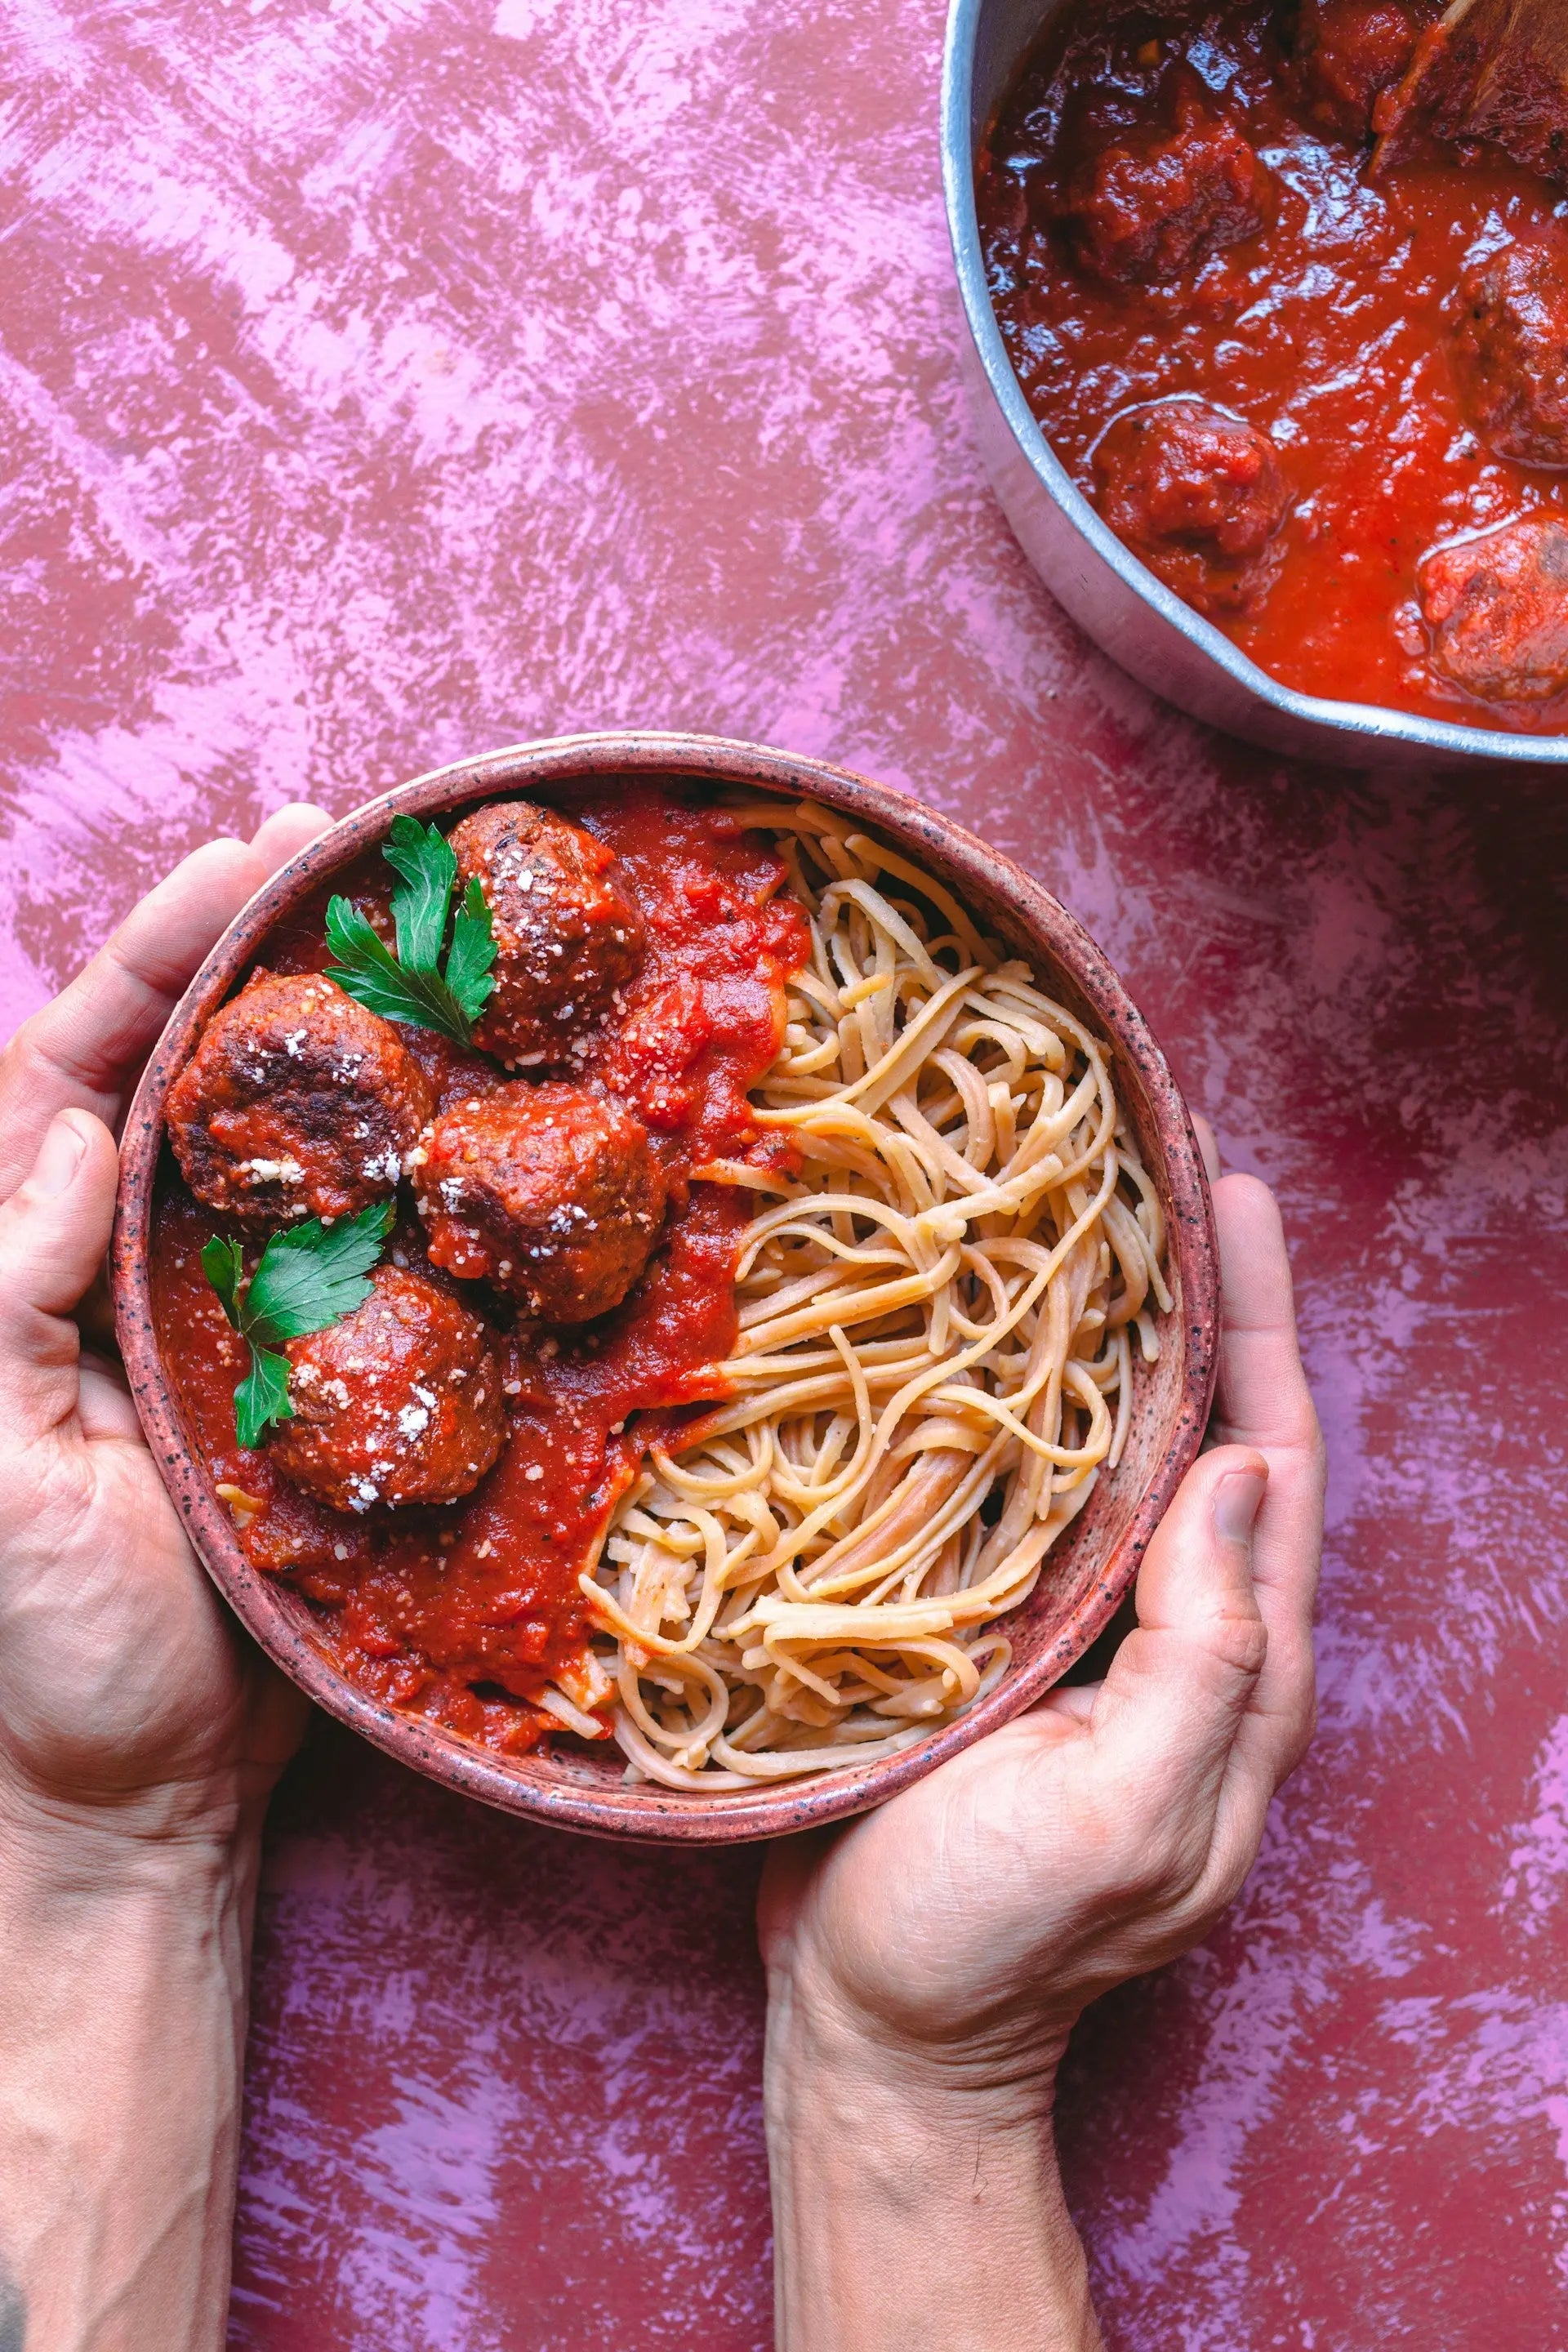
(1097, 1560)
(1113, 597)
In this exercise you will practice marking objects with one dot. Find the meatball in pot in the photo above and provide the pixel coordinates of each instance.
(1348, 53)
(398, 1403)
(1151, 202)
(1511, 351)
(1199, 495)
(297, 1103)
(568, 932)
(1496, 608)
(550, 1192)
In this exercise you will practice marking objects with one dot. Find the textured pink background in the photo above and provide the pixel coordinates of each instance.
(383, 380)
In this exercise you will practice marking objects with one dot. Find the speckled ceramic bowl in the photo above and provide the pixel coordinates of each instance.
(1095, 1563)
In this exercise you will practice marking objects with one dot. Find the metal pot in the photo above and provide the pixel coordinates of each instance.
(1137, 620)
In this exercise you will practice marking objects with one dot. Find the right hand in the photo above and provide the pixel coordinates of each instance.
(926, 1963)
(956, 1932)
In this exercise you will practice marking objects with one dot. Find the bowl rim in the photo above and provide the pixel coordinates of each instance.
(646, 1812)
(1375, 722)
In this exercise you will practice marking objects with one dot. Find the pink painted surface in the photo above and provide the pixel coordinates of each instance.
(382, 381)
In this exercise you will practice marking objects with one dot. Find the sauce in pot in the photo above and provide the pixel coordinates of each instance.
(1179, 210)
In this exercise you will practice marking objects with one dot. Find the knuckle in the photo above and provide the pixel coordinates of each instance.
(31, 1055)
(1241, 1643)
(1309, 1437)
(22, 1064)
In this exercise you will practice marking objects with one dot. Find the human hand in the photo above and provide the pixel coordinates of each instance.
(927, 1963)
(140, 1734)
(129, 1703)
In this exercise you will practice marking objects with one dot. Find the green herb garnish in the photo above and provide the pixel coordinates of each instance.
(308, 1277)
(411, 985)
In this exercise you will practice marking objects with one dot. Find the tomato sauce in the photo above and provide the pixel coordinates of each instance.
(1329, 329)
(462, 1613)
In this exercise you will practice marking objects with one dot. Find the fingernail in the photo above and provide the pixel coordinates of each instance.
(1236, 1503)
(54, 1170)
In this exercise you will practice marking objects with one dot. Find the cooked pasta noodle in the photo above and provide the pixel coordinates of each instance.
(938, 1321)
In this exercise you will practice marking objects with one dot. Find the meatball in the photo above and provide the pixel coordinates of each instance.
(400, 1402)
(1348, 52)
(1152, 203)
(547, 1192)
(1498, 610)
(1198, 495)
(1511, 351)
(297, 1103)
(567, 930)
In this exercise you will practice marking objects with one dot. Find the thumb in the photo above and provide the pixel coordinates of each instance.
(1166, 1718)
(54, 1231)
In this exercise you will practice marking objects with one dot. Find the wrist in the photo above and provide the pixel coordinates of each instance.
(76, 1850)
(122, 1973)
(166, 1829)
(906, 2190)
(1002, 2054)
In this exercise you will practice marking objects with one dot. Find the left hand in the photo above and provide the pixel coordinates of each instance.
(140, 1733)
(130, 1706)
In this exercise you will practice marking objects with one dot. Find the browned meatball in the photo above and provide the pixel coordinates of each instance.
(547, 1192)
(1498, 610)
(297, 1103)
(1198, 495)
(568, 931)
(1512, 347)
(1151, 203)
(1348, 52)
(400, 1402)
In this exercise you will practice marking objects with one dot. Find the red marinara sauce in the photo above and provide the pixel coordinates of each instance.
(1320, 302)
(461, 1613)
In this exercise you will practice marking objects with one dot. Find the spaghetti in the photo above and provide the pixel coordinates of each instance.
(936, 1354)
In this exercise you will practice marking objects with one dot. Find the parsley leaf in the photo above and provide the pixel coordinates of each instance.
(367, 970)
(307, 1278)
(430, 871)
(471, 954)
(262, 1397)
(410, 986)
(314, 1275)
(223, 1263)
